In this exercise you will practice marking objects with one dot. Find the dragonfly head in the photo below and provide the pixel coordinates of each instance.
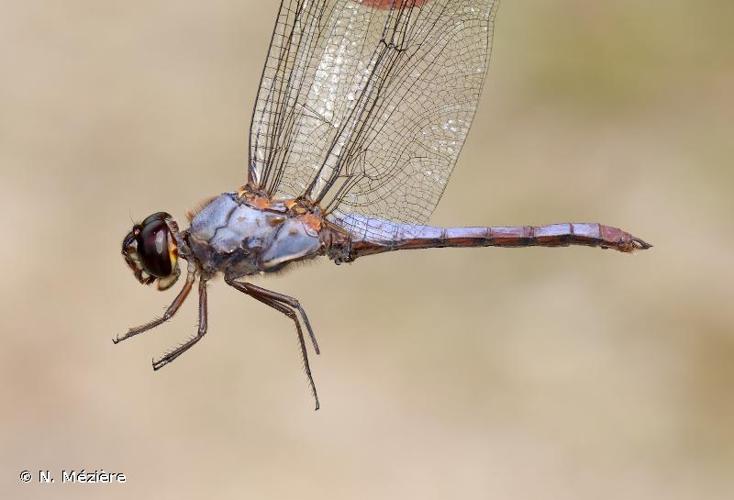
(150, 251)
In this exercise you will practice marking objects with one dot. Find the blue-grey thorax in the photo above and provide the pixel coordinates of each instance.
(237, 239)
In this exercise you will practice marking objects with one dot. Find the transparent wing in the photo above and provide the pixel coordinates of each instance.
(364, 105)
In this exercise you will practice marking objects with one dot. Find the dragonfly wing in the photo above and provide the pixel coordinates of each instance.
(364, 105)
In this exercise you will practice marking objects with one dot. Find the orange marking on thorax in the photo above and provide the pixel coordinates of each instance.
(259, 202)
(312, 221)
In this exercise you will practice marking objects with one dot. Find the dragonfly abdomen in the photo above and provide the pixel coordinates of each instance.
(411, 237)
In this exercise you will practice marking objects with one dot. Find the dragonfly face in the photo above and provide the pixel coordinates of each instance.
(150, 251)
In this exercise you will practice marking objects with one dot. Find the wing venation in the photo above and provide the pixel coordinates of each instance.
(364, 105)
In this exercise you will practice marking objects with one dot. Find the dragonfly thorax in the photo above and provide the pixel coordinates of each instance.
(233, 236)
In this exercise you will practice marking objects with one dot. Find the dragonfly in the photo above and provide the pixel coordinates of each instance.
(362, 111)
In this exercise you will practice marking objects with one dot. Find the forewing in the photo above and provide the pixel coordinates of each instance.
(364, 105)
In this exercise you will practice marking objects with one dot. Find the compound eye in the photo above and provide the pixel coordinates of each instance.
(153, 247)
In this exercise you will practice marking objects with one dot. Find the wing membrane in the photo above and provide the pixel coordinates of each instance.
(364, 105)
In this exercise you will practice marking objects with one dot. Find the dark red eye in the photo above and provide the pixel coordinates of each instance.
(150, 251)
(153, 246)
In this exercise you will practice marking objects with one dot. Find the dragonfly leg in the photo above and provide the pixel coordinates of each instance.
(288, 306)
(175, 353)
(288, 300)
(172, 309)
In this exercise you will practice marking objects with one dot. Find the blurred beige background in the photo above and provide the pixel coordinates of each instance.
(475, 374)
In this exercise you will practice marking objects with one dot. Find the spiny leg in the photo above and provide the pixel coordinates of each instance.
(267, 297)
(284, 299)
(172, 355)
(172, 309)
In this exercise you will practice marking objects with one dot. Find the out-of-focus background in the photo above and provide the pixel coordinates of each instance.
(483, 373)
